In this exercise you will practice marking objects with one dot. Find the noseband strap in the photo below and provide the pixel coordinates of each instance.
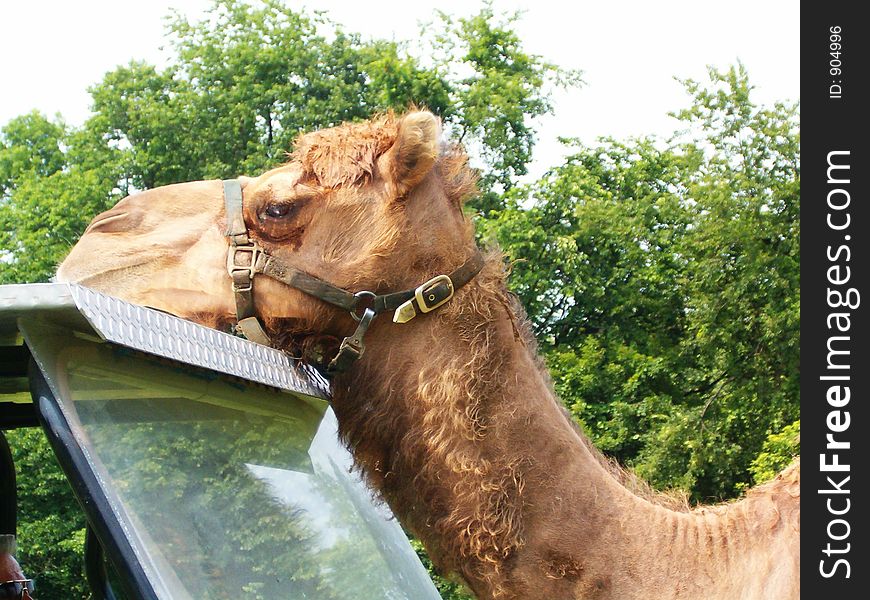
(242, 259)
(246, 258)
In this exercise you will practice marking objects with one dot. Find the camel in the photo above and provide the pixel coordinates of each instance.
(450, 416)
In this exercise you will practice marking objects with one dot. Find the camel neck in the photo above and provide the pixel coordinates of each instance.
(456, 425)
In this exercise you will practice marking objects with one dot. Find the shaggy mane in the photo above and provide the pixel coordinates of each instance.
(347, 155)
(415, 434)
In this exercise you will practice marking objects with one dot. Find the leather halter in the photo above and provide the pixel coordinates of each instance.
(246, 258)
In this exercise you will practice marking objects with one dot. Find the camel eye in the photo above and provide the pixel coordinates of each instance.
(278, 211)
(279, 220)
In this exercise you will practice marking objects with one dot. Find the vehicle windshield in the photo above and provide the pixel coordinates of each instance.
(226, 489)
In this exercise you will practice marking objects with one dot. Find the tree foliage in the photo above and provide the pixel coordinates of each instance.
(663, 283)
(504, 74)
(51, 526)
(661, 277)
(245, 82)
(778, 451)
(497, 94)
(51, 185)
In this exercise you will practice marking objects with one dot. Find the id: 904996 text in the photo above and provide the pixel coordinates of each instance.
(835, 62)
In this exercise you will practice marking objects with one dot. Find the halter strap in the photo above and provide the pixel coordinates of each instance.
(246, 258)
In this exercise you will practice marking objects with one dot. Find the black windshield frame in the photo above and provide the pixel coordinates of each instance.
(87, 490)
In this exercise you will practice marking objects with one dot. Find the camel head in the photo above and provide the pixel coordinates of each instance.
(370, 206)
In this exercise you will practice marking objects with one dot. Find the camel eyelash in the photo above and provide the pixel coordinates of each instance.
(278, 211)
(282, 211)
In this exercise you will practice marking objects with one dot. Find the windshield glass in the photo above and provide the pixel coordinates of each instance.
(226, 489)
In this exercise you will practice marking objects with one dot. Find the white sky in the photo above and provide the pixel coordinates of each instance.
(629, 51)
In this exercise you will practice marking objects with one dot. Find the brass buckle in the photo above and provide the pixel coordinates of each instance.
(234, 267)
(425, 297)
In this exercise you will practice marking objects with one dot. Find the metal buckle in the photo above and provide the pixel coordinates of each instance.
(425, 298)
(234, 267)
(352, 347)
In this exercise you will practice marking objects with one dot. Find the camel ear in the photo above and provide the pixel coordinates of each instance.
(414, 152)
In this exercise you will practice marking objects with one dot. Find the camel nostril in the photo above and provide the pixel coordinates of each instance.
(111, 221)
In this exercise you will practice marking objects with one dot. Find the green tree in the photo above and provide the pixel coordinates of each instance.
(47, 199)
(498, 91)
(245, 83)
(30, 145)
(51, 526)
(778, 451)
(662, 281)
(249, 79)
(743, 284)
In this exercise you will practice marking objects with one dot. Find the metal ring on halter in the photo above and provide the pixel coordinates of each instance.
(363, 294)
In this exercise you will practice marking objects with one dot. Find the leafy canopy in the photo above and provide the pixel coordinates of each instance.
(662, 280)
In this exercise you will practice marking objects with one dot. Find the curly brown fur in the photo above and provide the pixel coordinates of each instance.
(428, 432)
(345, 155)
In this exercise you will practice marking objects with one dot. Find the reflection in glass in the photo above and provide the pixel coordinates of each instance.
(229, 489)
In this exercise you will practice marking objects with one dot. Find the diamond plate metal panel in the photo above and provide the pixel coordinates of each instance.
(165, 335)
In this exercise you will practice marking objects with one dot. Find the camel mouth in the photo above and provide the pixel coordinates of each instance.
(92, 276)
